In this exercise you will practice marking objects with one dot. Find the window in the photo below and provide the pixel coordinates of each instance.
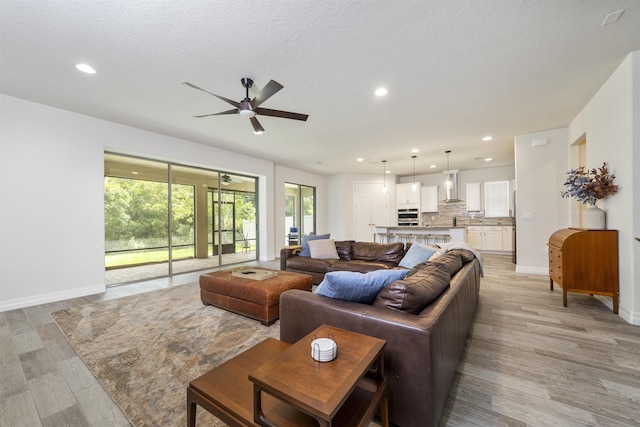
(299, 208)
(163, 219)
(496, 199)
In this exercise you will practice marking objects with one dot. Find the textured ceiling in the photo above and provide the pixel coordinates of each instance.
(456, 70)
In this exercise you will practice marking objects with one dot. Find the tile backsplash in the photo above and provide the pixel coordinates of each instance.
(458, 210)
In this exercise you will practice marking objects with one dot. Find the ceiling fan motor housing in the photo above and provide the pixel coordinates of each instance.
(245, 109)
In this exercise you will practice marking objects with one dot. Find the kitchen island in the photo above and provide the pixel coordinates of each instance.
(419, 234)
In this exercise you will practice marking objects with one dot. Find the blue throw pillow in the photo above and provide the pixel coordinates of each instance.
(416, 254)
(357, 287)
(305, 243)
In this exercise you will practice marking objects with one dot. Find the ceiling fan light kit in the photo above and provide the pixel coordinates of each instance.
(251, 107)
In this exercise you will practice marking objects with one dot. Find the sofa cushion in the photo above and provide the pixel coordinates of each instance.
(357, 287)
(465, 255)
(413, 294)
(367, 251)
(344, 249)
(417, 254)
(305, 243)
(359, 266)
(452, 261)
(323, 249)
(301, 263)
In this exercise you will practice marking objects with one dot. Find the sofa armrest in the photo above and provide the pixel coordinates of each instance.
(287, 252)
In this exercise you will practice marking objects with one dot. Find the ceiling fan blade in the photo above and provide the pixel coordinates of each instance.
(234, 111)
(267, 92)
(283, 114)
(227, 100)
(257, 127)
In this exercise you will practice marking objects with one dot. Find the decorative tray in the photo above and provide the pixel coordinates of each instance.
(254, 273)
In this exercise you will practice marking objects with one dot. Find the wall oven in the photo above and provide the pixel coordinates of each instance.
(408, 217)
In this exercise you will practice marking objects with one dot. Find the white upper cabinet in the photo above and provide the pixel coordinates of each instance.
(406, 197)
(429, 202)
(473, 197)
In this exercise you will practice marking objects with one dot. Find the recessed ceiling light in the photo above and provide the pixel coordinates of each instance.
(387, 171)
(359, 159)
(487, 138)
(86, 68)
(415, 150)
(381, 91)
(488, 159)
(432, 166)
(134, 172)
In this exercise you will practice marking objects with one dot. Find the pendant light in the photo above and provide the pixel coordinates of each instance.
(384, 177)
(414, 186)
(448, 183)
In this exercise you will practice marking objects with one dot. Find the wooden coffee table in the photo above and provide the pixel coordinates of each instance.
(277, 384)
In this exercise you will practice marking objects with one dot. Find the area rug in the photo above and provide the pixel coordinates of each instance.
(144, 349)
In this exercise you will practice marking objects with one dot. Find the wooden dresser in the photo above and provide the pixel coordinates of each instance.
(585, 261)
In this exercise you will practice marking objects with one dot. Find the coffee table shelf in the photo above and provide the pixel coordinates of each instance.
(277, 384)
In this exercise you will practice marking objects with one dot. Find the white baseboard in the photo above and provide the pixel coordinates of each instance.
(14, 304)
(532, 270)
(629, 316)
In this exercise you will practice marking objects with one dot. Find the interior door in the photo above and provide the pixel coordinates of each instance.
(370, 209)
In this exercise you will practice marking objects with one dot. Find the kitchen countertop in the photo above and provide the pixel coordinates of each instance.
(415, 227)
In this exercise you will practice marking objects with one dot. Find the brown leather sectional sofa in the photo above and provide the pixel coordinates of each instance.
(423, 349)
(362, 257)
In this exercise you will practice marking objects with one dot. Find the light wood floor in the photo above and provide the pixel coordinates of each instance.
(529, 361)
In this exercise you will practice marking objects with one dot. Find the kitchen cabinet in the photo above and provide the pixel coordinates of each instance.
(429, 198)
(490, 238)
(474, 237)
(406, 197)
(473, 197)
(507, 238)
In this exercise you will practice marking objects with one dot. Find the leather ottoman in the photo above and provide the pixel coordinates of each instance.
(257, 299)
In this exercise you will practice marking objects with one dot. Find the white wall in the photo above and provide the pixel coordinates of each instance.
(611, 123)
(51, 187)
(540, 172)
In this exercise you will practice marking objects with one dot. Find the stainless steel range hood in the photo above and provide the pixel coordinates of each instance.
(451, 186)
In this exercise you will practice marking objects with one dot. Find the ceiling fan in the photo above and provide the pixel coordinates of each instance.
(226, 179)
(251, 107)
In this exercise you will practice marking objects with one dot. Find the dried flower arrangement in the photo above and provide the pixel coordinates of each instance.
(589, 186)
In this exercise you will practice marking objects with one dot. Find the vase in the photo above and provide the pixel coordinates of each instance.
(593, 218)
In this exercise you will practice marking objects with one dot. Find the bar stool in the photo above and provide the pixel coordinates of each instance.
(442, 238)
(404, 237)
(384, 237)
(421, 238)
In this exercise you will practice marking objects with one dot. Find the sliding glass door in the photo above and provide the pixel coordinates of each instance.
(300, 212)
(163, 219)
